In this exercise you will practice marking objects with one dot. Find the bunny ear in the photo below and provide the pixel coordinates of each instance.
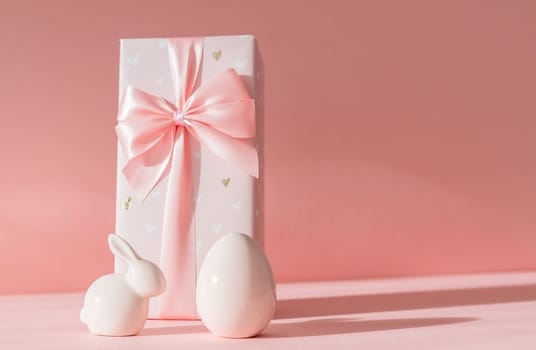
(121, 248)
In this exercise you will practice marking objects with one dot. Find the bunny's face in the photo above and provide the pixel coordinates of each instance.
(145, 278)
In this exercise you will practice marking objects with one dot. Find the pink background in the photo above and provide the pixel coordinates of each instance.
(399, 135)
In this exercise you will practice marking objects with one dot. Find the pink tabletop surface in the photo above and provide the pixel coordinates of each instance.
(491, 311)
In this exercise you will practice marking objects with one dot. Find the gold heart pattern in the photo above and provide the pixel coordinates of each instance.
(226, 181)
(216, 55)
(126, 203)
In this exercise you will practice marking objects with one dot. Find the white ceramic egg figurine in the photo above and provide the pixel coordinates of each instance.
(235, 288)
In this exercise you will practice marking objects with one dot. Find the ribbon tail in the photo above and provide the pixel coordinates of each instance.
(177, 259)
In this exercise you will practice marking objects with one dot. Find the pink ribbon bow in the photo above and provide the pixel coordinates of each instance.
(154, 135)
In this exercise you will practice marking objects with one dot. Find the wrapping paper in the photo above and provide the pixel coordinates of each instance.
(226, 198)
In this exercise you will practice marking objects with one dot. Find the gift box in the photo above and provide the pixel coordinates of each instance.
(189, 154)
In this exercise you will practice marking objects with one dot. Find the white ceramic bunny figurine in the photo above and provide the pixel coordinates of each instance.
(117, 304)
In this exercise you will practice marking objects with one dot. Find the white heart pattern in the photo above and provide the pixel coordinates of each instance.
(135, 60)
(236, 205)
(216, 229)
(150, 228)
(198, 246)
(162, 43)
(160, 80)
(239, 64)
(155, 194)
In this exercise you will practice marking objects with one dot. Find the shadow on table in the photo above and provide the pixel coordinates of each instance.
(345, 326)
(355, 304)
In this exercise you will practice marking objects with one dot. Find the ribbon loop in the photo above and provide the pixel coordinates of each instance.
(146, 123)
